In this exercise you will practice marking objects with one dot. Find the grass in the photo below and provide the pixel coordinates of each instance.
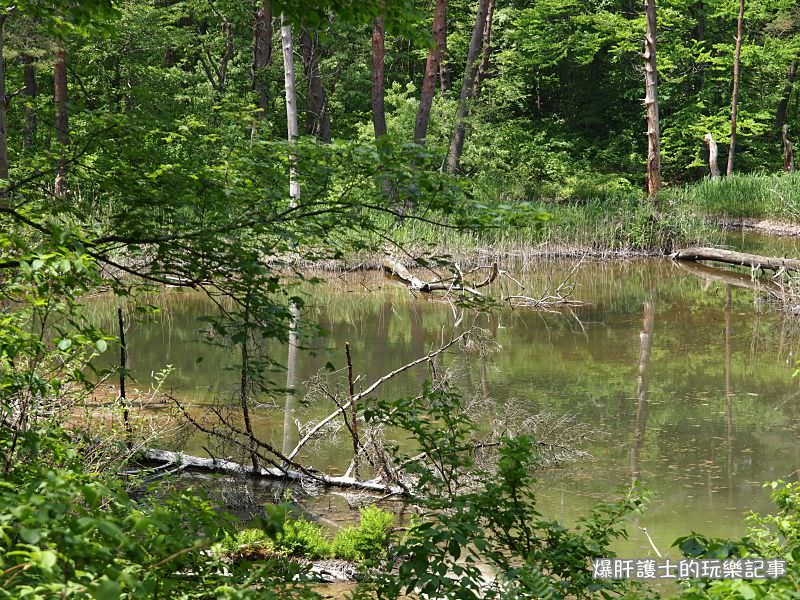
(609, 226)
(775, 196)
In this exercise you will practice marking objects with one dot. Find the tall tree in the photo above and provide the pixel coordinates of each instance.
(62, 116)
(318, 122)
(30, 91)
(262, 54)
(431, 70)
(483, 69)
(3, 106)
(292, 130)
(378, 80)
(651, 101)
(467, 88)
(735, 99)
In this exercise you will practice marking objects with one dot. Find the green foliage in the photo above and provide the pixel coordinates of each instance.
(492, 523)
(755, 195)
(369, 540)
(303, 538)
(769, 536)
(66, 532)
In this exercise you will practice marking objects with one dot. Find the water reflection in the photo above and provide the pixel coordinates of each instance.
(645, 344)
(679, 441)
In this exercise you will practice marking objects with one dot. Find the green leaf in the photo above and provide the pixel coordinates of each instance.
(107, 590)
(65, 344)
(47, 559)
(101, 345)
(31, 536)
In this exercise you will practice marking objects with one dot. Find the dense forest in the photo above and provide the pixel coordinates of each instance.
(237, 152)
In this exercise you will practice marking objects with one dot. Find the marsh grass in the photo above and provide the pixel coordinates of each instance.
(622, 227)
(775, 196)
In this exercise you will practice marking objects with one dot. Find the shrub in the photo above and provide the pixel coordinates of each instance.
(303, 538)
(367, 541)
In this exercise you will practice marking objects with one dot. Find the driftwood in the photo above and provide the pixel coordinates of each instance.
(743, 259)
(729, 278)
(396, 270)
(211, 465)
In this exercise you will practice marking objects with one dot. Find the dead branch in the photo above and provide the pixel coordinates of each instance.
(371, 388)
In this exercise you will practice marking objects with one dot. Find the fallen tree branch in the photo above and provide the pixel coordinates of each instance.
(742, 259)
(211, 465)
(396, 270)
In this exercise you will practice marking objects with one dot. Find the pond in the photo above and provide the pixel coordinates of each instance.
(686, 384)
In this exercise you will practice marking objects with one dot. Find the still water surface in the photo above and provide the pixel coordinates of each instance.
(688, 384)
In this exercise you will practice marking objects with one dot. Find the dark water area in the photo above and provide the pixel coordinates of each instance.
(686, 384)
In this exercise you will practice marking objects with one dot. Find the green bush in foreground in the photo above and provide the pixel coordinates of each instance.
(369, 540)
(768, 536)
(68, 533)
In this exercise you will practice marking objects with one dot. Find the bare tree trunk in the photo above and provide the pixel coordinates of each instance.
(444, 68)
(735, 100)
(123, 372)
(483, 69)
(378, 82)
(651, 101)
(30, 91)
(783, 106)
(431, 69)
(62, 118)
(467, 87)
(788, 154)
(318, 122)
(3, 108)
(713, 167)
(292, 130)
(262, 54)
(244, 393)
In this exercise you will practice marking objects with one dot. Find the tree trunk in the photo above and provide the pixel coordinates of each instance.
(788, 154)
(318, 121)
(378, 82)
(62, 118)
(483, 69)
(3, 107)
(431, 69)
(651, 102)
(292, 130)
(244, 395)
(742, 259)
(30, 91)
(783, 106)
(713, 167)
(467, 87)
(735, 99)
(262, 54)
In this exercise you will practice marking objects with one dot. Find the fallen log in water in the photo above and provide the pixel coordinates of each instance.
(228, 467)
(742, 259)
(395, 269)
